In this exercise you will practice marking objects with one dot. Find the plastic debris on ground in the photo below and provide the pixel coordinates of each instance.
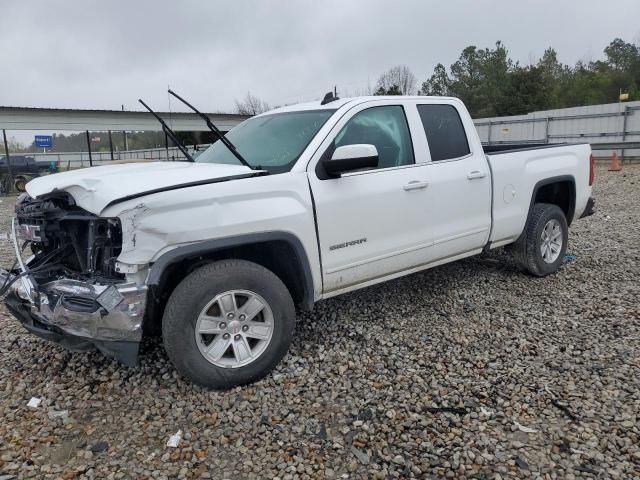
(568, 258)
(53, 414)
(485, 412)
(360, 455)
(174, 440)
(34, 402)
(524, 429)
(522, 464)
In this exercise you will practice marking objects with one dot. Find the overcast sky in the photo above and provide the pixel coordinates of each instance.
(87, 54)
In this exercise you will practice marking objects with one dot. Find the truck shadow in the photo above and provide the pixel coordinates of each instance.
(431, 292)
(432, 289)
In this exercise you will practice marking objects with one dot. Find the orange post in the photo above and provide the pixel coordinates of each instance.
(615, 163)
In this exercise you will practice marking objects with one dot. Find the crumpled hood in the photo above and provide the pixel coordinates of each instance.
(95, 187)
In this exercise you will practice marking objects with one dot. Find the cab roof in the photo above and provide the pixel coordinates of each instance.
(335, 104)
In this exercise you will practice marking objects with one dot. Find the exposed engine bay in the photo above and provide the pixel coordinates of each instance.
(67, 240)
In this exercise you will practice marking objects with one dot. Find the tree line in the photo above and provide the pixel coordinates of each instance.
(490, 83)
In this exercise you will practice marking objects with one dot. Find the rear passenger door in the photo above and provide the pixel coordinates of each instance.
(458, 200)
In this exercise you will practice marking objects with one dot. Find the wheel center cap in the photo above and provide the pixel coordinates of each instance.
(234, 326)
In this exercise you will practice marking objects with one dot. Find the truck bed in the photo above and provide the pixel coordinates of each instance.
(519, 170)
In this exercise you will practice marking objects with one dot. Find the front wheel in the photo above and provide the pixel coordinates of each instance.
(228, 323)
(543, 245)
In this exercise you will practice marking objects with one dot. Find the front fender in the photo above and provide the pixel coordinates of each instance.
(208, 247)
(157, 224)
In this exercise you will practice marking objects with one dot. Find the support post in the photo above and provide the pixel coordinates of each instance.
(166, 144)
(546, 130)
(124, 134)
(6, 152)
(624, 130)
(89, 148)
(111, 145)
(489, 134)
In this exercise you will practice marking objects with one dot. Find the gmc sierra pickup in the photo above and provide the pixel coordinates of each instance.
(318, 199)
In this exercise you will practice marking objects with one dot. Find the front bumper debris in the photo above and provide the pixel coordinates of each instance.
(72, 313)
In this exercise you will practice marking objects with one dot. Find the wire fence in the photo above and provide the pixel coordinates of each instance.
(74, 160)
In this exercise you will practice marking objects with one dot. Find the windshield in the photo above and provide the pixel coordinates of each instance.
(271, 142)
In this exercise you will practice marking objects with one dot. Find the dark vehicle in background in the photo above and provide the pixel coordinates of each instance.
(23, 169)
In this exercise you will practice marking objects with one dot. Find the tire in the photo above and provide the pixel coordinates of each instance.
(21, 184)
(528, 251)
(196, 296)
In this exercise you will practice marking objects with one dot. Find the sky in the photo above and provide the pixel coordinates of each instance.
(88, 54)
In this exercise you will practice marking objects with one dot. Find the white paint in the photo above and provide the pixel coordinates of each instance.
(93, 188)
(354, 151)
(523, 170)
(509, 193)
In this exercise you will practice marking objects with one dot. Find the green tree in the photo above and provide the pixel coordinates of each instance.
(480, 78)
(438, 83)
(392, 90)
(492, 84)
(623, 56)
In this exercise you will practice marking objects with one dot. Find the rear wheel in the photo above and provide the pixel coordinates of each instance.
(228, 323)
(543, 245)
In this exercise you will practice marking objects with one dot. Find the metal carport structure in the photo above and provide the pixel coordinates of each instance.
(61, 119)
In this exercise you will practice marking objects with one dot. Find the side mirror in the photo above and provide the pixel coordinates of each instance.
(351, 157)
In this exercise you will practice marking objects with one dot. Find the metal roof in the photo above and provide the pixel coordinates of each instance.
(60, 119)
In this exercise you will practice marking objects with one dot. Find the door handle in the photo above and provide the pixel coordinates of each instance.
(415, 185)
(476, 174)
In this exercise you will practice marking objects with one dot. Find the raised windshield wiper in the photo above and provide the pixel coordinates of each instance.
(227, 143)
(169, 133)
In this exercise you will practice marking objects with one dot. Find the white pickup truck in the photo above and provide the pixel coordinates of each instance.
(337, 195)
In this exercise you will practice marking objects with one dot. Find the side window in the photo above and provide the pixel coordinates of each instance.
(445, 132)
(386, 128)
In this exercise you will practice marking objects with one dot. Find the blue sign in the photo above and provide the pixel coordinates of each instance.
(44, 141)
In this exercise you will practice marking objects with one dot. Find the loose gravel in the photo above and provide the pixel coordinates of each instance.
(469, 370)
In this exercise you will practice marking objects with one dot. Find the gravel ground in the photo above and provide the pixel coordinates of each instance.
(470, 370)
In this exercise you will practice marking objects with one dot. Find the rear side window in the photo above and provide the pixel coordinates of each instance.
(445, 132)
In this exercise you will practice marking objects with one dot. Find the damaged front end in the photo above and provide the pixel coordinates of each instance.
(69, 290)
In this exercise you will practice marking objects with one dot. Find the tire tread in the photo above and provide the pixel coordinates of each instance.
(525, 251)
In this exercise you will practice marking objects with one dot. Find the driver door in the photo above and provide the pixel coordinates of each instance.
(371, 223)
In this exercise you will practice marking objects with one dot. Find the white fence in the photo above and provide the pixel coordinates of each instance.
(595, 124)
